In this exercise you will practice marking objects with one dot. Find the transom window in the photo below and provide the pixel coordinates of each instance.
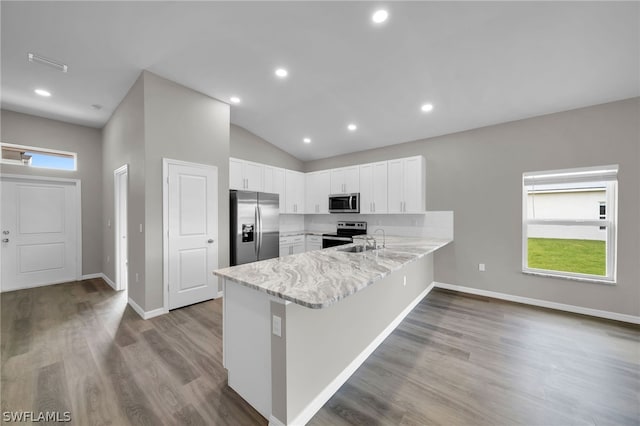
(569, 223)
(21, 155)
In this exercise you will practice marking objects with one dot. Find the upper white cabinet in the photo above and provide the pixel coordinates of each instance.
(406, 185)
(274, 182)
(245, 175)
(317, 192)
(294, 192)
(394, 186)
(345, 180)
(373, 188)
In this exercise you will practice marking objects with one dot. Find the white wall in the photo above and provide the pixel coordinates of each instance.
(180, 124)
(157, 119)
(123, 143)
(478, 175)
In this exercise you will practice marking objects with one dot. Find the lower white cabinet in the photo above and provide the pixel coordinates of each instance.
(292, 245)
(313, 242)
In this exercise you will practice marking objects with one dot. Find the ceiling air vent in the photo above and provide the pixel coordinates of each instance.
(48, 62)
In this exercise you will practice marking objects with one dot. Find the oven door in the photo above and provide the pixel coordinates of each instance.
(344, 203)
(331, 241)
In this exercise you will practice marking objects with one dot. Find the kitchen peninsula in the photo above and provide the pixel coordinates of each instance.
(296, 327)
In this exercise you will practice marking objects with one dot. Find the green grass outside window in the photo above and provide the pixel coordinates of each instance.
(579, 256)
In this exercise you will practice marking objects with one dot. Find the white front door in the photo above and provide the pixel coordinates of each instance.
(192, 208)
(39, 232)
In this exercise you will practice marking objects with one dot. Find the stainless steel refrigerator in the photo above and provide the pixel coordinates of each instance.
(255, 226)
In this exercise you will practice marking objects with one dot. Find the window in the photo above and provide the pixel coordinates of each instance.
(38, 157)
(569, 223)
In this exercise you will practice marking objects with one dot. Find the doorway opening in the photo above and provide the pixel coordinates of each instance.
(121, 190)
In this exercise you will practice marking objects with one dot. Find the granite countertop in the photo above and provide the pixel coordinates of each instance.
(296, 233)
(320, 278)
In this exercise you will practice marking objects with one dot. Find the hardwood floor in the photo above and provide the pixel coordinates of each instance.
(455, 360)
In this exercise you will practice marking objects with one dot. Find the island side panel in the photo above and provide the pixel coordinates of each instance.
(247, 344)
(325, 346)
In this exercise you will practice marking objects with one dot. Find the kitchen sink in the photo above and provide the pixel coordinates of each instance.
(356, 249)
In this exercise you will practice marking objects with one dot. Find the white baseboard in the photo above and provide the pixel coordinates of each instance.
(542, 303)
(274, 421)
(108, 281)
(312, 408)
(220, 294)
(92, 276)
(146, 314)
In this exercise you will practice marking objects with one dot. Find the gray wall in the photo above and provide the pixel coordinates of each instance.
(478, 173)
(180, 124)
(247, 146)
(23, 129)
(123, 143)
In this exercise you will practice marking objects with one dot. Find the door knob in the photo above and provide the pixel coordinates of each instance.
(210, 241)
(5, 240)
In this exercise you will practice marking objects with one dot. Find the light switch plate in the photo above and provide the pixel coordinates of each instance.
(276, 328)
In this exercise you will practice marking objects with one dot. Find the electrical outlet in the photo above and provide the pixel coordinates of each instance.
(276, 328)
(108, 259)
(109, 223)
(140, 227)
(404, 281)
(137, 277)
(481, 267)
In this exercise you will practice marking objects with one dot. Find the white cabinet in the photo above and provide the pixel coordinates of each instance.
(317, 192)
(406, 185)
(373, 188)
(294, 192)
(292, 245)
(245, 175)
(313, 242)
(274, 183)
(345, 180)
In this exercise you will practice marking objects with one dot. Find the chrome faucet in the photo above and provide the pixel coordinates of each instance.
(384, 237)
(367, 239)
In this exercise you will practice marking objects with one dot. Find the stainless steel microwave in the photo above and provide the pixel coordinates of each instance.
(344, 203)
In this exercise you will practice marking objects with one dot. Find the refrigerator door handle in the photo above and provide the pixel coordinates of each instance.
(257, 231)
(259, 237)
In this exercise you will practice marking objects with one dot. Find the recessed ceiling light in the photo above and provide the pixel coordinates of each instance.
(235, 99)
(380, 16)
(282, 73)
(42, 92)
(306, 140)
(426, 107)
(352, 127)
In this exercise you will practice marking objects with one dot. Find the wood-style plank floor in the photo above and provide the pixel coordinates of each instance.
(455, 360)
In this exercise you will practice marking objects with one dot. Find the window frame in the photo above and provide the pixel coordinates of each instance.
(610, 222)
(54, 152)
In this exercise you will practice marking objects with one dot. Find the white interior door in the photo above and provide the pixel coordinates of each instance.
(39, 232)
(121, 177)
(192, 208)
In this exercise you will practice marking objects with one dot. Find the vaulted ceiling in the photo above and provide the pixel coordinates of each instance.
(477, 63)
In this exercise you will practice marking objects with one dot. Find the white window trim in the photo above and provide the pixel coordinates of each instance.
(611, 226)
(42, 150)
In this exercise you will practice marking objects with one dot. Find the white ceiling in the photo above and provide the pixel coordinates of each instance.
(478, 63)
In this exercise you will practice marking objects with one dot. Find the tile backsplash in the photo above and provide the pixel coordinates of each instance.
(436, 224)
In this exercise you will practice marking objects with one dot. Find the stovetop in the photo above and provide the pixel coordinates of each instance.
(348, 229)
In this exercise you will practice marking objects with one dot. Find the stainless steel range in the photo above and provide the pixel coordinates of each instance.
(344, 233)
